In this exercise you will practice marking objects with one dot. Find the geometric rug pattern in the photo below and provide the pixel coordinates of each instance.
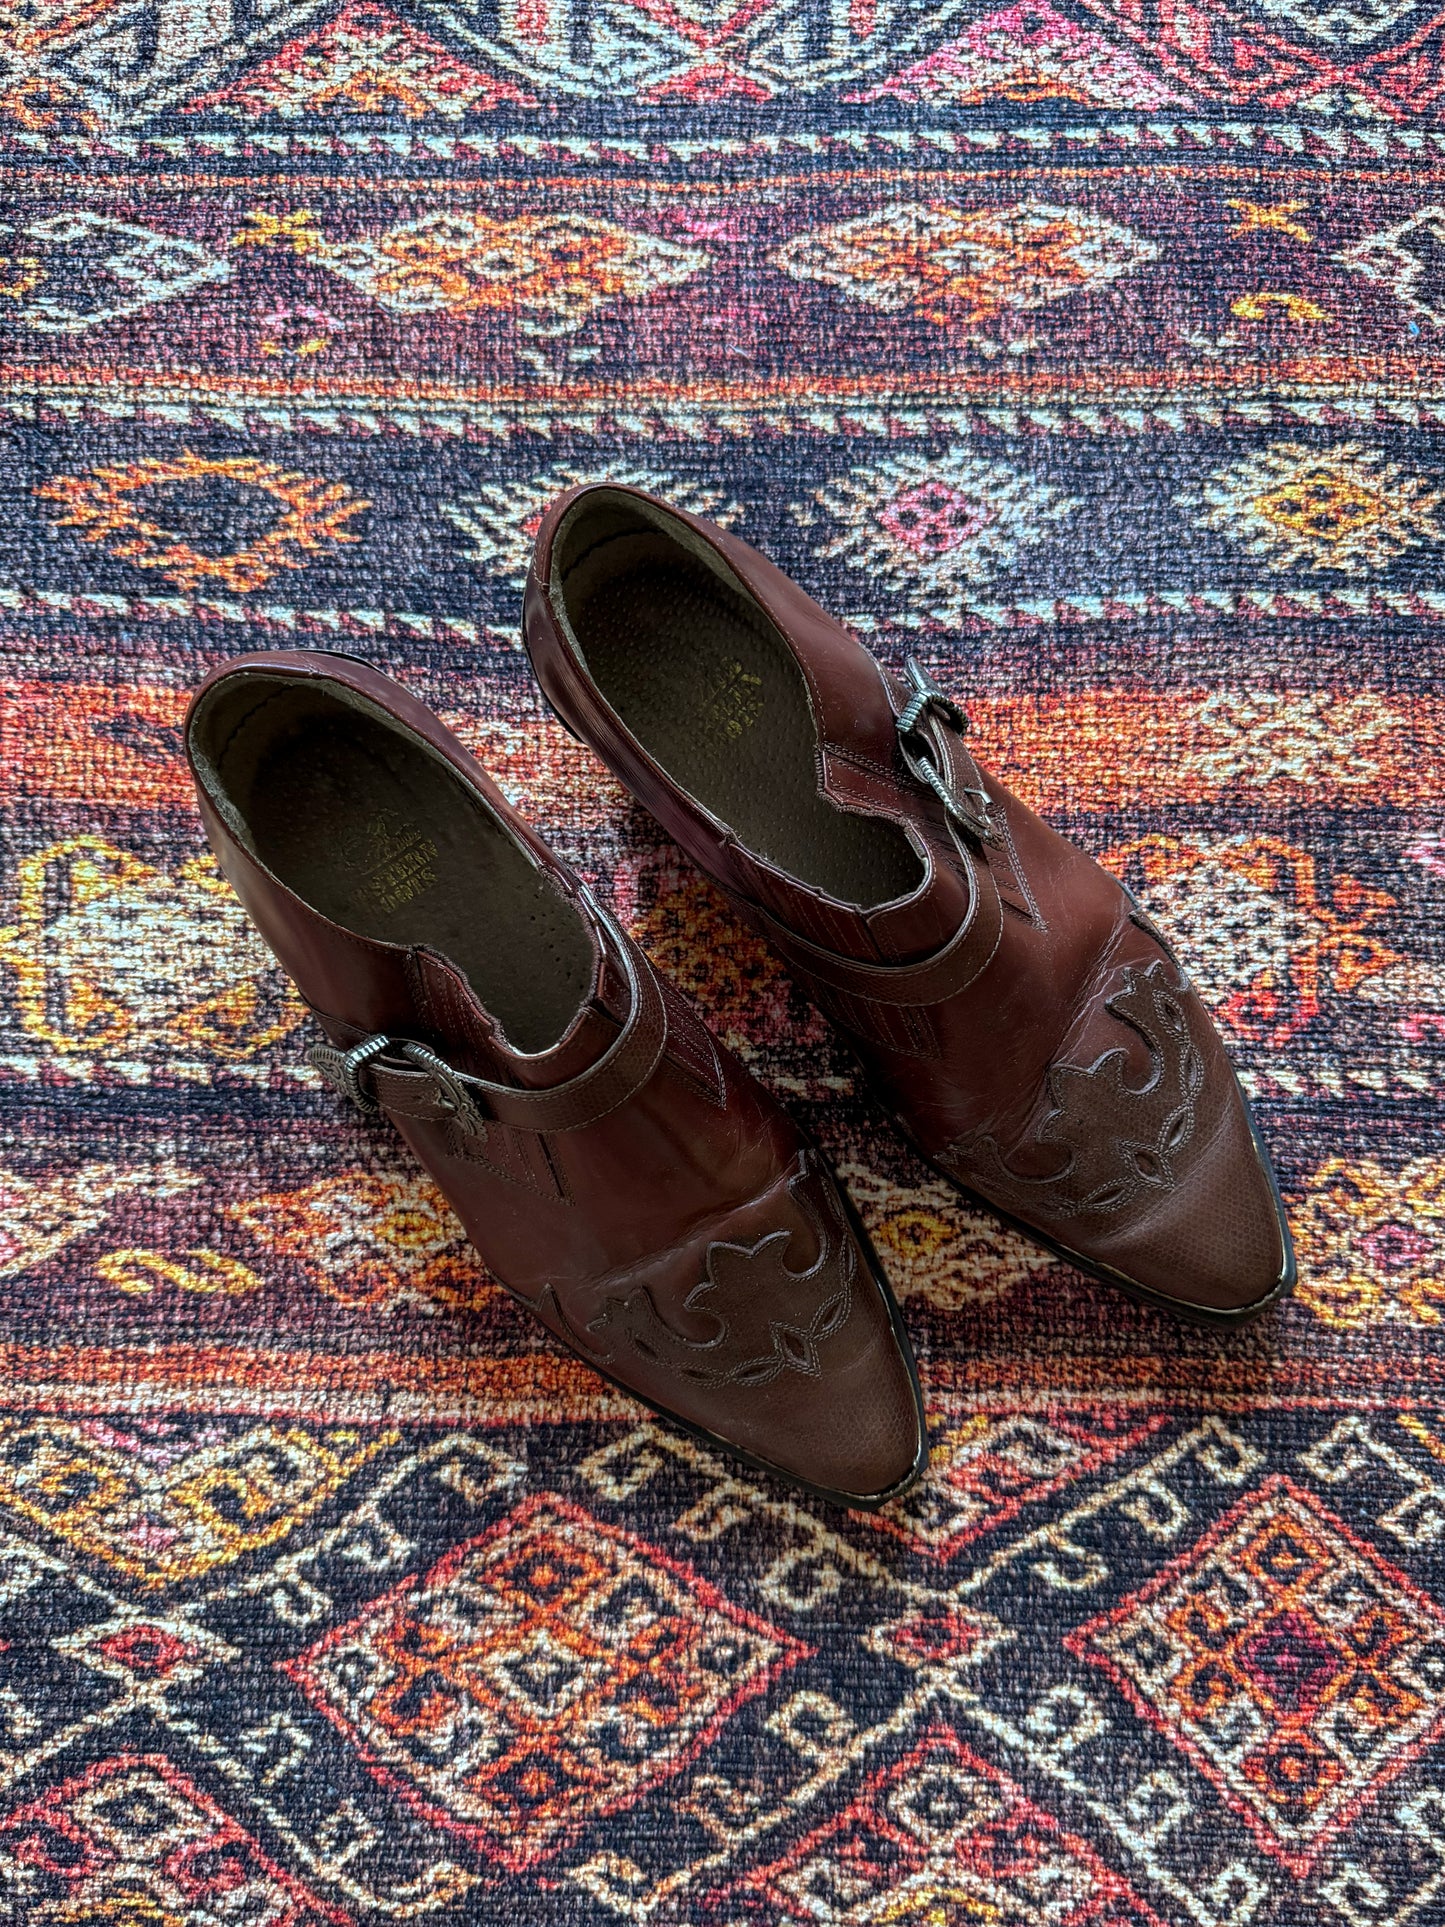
(1091, 353)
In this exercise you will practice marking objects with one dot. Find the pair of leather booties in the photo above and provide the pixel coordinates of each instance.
(618, 1169)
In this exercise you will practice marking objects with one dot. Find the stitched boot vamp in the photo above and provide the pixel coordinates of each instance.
(618, 1170)
(1010, 1002)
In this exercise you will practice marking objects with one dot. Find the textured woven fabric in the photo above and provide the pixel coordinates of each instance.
(1088, 351)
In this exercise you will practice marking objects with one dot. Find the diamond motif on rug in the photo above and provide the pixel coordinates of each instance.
(1296, 1668)
(366, 1240)
(182, 517)
(705, 51)
(122, 965)
(551, 271)
(500, 520)
(1371, 1242)
(1344, 508)
(1340, 23)
(930, 527)
(960, 266)
(1267, 944)
(38, 1218)
(149, 1655)
(1027, 52)
(1240, 935)
(1409, 259)
(987, 1467)
(1373, 57)
(1262, 736)
(938, 1640)
(937, 1249)
(365, 61)
(78, 270)
(542, 1676)
(166, 1501)
(134, 1842)
(936, 1838)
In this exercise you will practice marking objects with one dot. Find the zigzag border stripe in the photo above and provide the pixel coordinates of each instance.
(1302, 605)
(699, 422)
(1287, 137)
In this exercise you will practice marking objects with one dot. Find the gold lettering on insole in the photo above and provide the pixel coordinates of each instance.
(735, 701)
(394, 860)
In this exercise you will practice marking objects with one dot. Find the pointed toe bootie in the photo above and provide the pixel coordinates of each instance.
(1014, 1007)
(618, 1170)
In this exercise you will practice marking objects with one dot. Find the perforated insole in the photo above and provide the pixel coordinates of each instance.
(715, 696)
(379, 837)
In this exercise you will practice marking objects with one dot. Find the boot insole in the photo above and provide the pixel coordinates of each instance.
(713, 693)
(379, 836)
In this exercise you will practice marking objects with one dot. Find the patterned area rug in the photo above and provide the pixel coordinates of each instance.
(1088, 351)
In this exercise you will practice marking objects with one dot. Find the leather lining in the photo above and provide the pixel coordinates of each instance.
(713, 693)
(371, 828)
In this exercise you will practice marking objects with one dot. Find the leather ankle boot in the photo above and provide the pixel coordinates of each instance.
(1016, 1009)
(618, 1170)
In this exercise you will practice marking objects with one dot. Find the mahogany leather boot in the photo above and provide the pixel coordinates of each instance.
(1028, 1026)
(618, 1170)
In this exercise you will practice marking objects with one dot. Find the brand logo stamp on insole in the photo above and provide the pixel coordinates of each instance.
(395, 861)
(735, 700)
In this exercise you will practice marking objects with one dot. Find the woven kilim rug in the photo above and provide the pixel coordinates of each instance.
(1086, 349)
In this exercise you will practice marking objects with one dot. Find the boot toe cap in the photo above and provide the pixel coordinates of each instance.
(772, 1331)
(1218, 1245)
(857, 1434)
(853, 1428)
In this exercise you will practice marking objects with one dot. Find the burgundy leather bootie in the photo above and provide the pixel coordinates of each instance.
(1018, 1012)
(619, 1171)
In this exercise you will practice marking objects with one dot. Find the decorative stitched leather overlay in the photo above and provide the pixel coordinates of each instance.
(1122, 1138)
(770, 1318)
